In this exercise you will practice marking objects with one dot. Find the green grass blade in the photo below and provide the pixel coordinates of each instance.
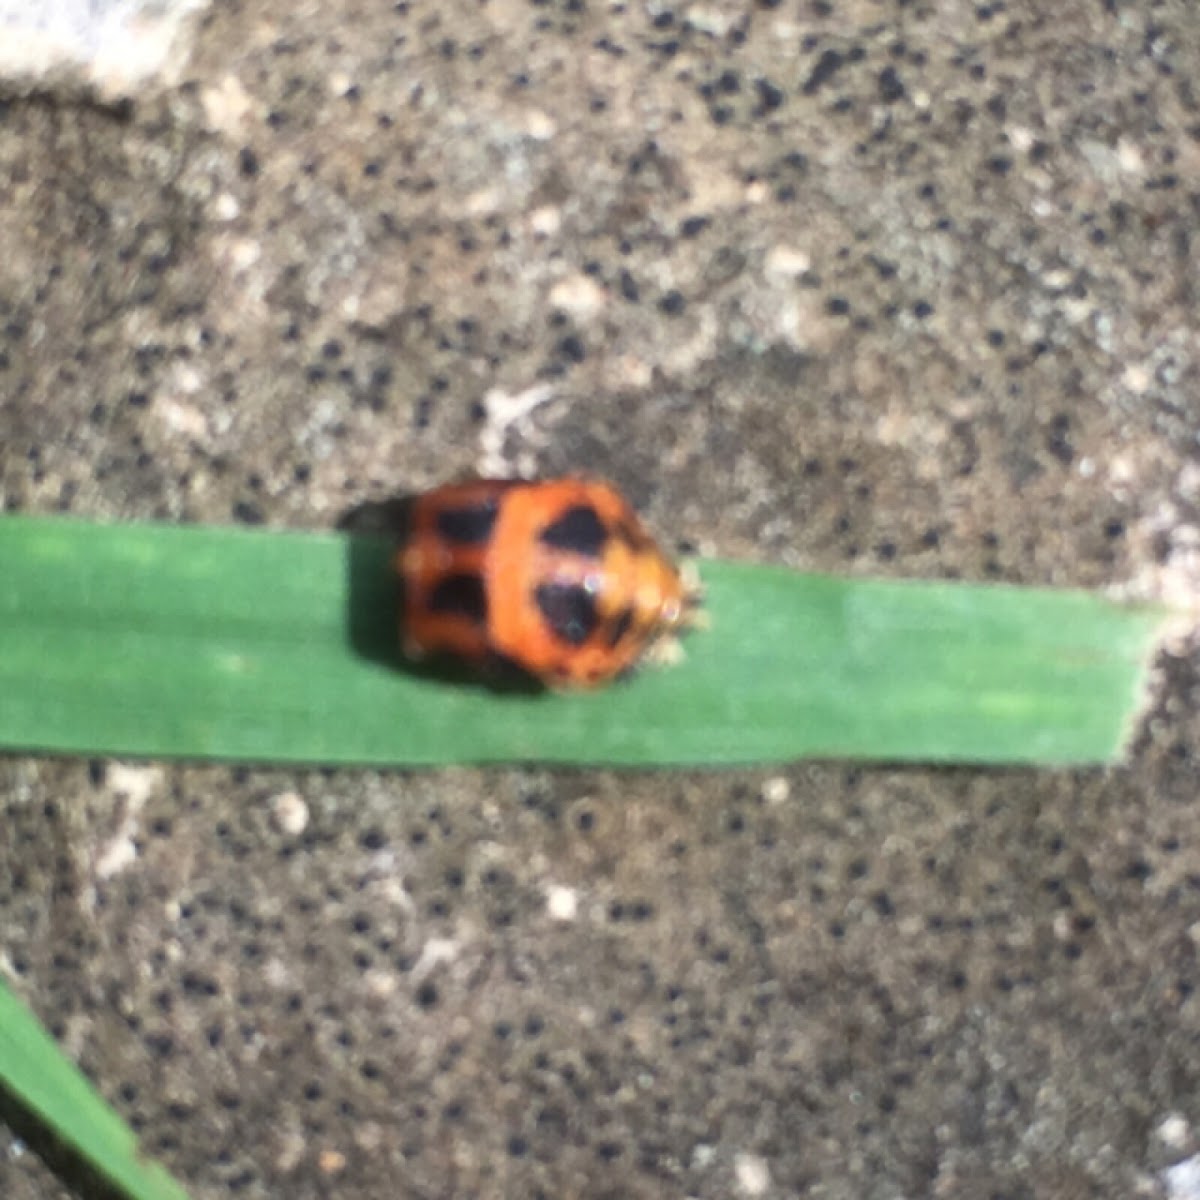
(38, 1076)
(267, 646)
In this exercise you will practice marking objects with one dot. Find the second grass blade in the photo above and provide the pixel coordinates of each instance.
(264, 646)
(36, 1073)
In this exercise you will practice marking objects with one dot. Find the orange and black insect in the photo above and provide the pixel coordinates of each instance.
(558, 578)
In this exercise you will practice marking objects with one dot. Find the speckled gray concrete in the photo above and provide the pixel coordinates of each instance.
(907, 289)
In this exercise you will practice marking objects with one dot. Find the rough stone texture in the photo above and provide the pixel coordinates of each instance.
(901, 288)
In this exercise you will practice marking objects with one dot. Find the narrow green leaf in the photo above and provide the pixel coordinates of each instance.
(267, 646)
(36, 1072)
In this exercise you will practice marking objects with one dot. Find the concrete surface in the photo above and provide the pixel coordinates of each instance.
(900, 288)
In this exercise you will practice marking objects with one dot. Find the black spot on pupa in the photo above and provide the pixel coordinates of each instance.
(579, 530)
(569, 609)
(470, 525)
(462, 595)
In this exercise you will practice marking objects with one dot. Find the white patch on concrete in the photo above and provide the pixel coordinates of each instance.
(776, 790)
(562, 903)
(579, 295)
(436, 952)
(114, 47)
(752, 1174)
(1174, 1131)
(503, 414)
(1182, 1181)
(784, 263)
(131, 787)
(289, 813)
